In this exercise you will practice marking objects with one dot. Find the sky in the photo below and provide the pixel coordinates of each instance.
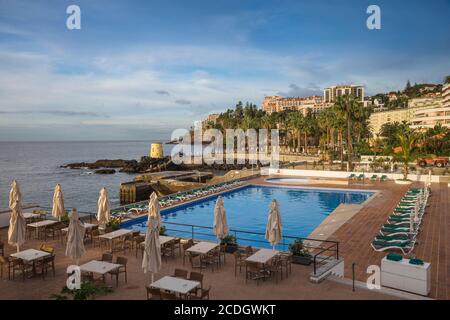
(136, 70)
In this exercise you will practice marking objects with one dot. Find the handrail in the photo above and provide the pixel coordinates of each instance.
(323, 246)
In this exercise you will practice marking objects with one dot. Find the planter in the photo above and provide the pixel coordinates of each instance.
(404, 182)
(231, 248)
(303, 260)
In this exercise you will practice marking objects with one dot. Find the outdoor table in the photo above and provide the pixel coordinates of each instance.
(30, 255)
(262, 256)
(99, 267)
(177, 285)
(165, 239)
(41, 224)
(29, 215)
(86, 226)
(111, 236)
(202, 248)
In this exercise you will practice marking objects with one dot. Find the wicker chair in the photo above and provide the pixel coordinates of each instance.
(153, 293)
(253, 272)
(107, 257)
(122, 269)
(204, 295)
(239, 261)
(180, 273)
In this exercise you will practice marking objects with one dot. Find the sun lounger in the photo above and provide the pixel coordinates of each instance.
(383, 177)
(406, 247)
(361, 176)
(352, 176)
(374, 177)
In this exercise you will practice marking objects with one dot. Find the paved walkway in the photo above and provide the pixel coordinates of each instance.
(224, 284)
(358, 232)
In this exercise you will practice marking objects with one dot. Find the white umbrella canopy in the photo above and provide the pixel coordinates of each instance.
(273, 227)
(75, 237)
(103, 207)
(17, 223)
(220, 219)
(151, 260)
(154, 209)
(58, 209)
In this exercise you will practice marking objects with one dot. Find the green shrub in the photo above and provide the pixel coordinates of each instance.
(298, 249)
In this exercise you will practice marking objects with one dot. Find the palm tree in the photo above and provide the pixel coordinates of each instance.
(405, 151)
(349, 106)
(447, 80)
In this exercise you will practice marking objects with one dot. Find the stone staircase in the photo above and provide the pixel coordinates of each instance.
(328, 267)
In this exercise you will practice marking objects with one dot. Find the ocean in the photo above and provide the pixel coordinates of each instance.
(36, 166)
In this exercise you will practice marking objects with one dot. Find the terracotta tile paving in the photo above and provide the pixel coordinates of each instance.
(224, 284)
(354, 237)
(432, 244)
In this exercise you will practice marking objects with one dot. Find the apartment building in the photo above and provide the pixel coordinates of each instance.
(331, 94)
(416, 112)
(278, 103)
(436, 113)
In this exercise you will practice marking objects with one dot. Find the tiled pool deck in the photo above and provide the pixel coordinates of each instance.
(433, 243)
(354, 236)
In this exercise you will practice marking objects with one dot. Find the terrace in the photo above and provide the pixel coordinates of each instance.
(354, 238)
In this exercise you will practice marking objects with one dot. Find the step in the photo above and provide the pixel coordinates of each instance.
(330, 267)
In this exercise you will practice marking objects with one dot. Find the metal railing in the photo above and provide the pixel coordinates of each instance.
(321, 250)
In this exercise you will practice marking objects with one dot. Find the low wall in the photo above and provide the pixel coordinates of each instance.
(344, 174)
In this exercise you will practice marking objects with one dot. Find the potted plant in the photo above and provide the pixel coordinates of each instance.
(114, 224)
(300, 254)
(88, 291)
(230, 243)
(162, 231)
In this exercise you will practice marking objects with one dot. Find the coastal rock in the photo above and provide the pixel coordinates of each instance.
(105, 171)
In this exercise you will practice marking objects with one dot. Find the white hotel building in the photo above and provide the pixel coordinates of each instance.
(428, 118)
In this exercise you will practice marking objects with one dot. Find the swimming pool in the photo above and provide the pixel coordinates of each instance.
(302, 210)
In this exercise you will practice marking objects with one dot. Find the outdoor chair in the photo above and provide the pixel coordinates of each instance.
(138, 243)
(275, 268)
(127, 242)
(168, 296)
(253, 272)
(383, 178)
(223, 252)
(204, 295)
(47, 263)
(239, 261)
(107, 257)
(177, 244)
(122, 269)
(46, 248)
(20, 266)
(286, 262)
(374, 177)
(89, 233)
(95, 237)
(4, 262)
(153, 293)
(2, 248)
(167, 250)
(181, 273)
(196, 276)
(188, 254)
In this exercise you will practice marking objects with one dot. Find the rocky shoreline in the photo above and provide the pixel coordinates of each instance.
(148, 165)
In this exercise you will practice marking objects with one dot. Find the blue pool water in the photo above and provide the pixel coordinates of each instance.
(302, 210)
